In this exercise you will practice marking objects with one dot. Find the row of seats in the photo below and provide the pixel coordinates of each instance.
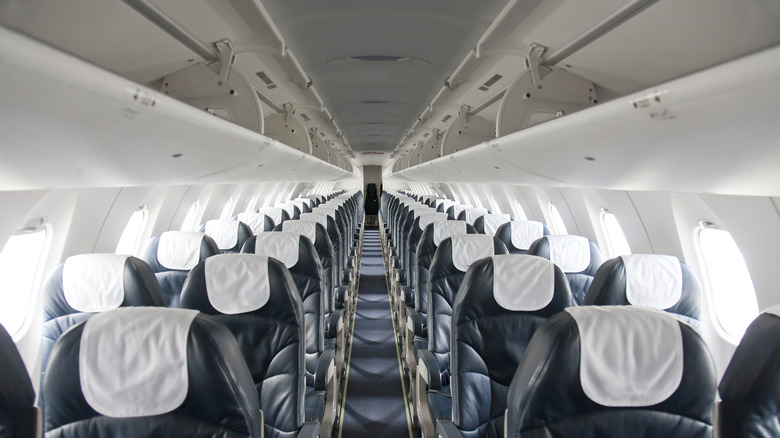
(461, 373)
(235, 289)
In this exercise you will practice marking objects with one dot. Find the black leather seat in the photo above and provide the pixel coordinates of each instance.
(452, 259)
(470, 215)
(518, 236)
(19, 418)
(750, 387)
(277, 215)
(651, 280)
(85, 284)
(578, 258)
(257, 222)
(172, 254)
(490, 223)
(292, 210)
(99, 382)
(228, 234)
(256, 298)
(501, 303)
(613, 371)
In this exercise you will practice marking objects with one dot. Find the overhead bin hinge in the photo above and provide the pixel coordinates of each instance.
(451, 85)
(305, 84)
(289, 110)
(463, 115)
(533, 60)
(313, 133)
(226, 58)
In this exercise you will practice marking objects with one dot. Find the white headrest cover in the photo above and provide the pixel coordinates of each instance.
(429, 218)
(468, 248)
(523, 283)
(524, 233)
(279, 245)
(473, 213)
(94, 282)
(493, 222)
(445, 229)
(457, 208)
(653, 280)
(179, 250)
(307, 201)
(330, 211)
(570, 253)
(274, 213)
(237, 283)
(447, 204)
(224, 232)
(321, 218)
(629, 356)
(774, 310)
(152, 380)
(255, 221)
(289, 208)
(306, 228)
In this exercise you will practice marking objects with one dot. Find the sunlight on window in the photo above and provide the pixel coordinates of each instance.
(250, 206)
(227, 210)
(730, 285)
(191, 219)
(128, 243)
(19, 265)
(519, 212)
(557, 225)
(616, 239)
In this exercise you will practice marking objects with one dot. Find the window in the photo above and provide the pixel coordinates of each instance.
(616, 239)
(227, 210)
(557, 225)
(20, 263)
(128, 243)
(250, 206)
(191, 219)
(519, 212)
(728, 280)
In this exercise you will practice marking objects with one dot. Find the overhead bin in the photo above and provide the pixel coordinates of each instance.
(286, 128)
(467, 132)
(81, 126)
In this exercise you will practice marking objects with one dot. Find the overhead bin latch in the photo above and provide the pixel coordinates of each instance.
(289, 110)
(533, 61)
(463, 115)
(226, 58)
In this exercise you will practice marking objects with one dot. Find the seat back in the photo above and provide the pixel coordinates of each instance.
(489, 224)
(470, 215)
(19, 418)
(85, 284)
(651, 280)
(413, 240)
(501, 303)
(317, 233)
(452, 259)
(518, 236)
(256, 298)
(228, 234)
(619, 371)
(257, 222)
(277, 215)
(172, 254)
(99, 382)
(300, 258)
(578, 257)
(293, 212)
(750, 386)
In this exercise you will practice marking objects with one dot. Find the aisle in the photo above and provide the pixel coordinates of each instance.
(374, 405)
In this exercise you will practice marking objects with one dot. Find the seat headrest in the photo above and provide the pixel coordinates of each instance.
(774, 310)
(570, 253)
(237, 283)
(457, 208)
(524, 233)
(16, 390)
(473, 213)
(629, 356)
(445, 229)
(289, 208)
(303, 227)
(491, 222)
(223, 231)
(523, 283)
(255, 221)
(330, 211)
(283, 246)
(653, 280)
(468, 248)
(94, 282)
(321, 218)
(179, 250)
(429, 218)
(274, 213)
(118, 384)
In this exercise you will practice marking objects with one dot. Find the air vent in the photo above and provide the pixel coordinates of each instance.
(305, 117)
(446, 118)
(486, 86)
(377, 58)
(268, 82)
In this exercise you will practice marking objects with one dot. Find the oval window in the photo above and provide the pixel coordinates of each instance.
(616, 239)
(557, 225)
(131, 236)
(20, 263)
(190, 222)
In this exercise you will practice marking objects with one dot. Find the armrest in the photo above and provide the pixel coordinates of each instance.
(333, 323)
(310, 429)
(428, 369)
(414, 323)
(447, 429)
(321, 377)
(340, 294)
(407, 295)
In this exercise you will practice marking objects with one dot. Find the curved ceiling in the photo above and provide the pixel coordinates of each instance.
(378, 64)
